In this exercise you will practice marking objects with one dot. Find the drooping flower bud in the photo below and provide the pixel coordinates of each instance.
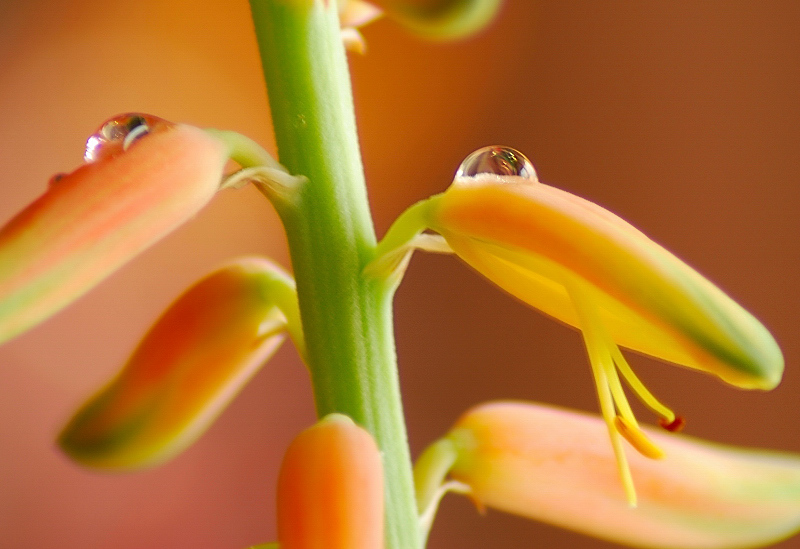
(556, 466)
(143, 177)
(188, 367)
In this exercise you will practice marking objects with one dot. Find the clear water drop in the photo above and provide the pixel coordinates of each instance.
(496, 160)
(116, 135)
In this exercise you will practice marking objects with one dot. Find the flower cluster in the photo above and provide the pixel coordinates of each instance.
(559, 253)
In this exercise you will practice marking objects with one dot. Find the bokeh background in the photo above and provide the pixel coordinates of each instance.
(683, 117)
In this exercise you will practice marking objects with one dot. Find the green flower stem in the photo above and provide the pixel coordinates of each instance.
(346, 316)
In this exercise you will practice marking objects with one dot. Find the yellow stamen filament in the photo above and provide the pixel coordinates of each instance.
(600, 361)
(636, 385)
(607, 362)
(637, 438)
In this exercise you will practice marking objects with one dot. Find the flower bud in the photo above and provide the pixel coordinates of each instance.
(188, 367)
(330, 489)
(556, 466)
(143, 178)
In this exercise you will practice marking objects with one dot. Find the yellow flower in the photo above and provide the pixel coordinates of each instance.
(188, 367)
(330, 489)
(555, 466)
(586, 267)
(143, 177)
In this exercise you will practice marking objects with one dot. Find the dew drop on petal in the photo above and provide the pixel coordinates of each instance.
(495, 160)
(115, 136)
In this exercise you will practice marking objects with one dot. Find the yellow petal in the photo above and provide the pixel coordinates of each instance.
(534, 240)
(556, 466)
(90, 222)
(188, 367)
(330, 489)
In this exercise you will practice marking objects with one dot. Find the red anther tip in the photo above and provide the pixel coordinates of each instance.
(674, 426)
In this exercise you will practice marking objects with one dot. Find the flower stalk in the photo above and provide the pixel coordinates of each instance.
(346, 315)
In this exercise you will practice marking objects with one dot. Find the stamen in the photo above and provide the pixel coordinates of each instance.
(620, 399)
(606, 409)
(636, 385)
(638, 439)
(602, 364)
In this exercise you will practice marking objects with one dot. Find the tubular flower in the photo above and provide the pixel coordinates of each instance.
(188, 367)
(586, 267)
(330, 489)
(142, 178)
(554, 465)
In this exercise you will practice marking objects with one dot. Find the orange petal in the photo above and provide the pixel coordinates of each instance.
(90, 222)
(330, 489)
(556, 466)
(189, 366)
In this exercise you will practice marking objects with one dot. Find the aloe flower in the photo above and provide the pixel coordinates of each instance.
(188, 367)
(330, 489)
(143, 177)
(555, 466)
(586, 267)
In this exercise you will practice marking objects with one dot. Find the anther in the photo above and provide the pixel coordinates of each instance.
(637, 438)
(674, 426)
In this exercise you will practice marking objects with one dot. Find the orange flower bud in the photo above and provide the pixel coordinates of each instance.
(188, 367)
(143, 178)
(330, 489)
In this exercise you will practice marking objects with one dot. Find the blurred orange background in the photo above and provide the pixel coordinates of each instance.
(683, 117)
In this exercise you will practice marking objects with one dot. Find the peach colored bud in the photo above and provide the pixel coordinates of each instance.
(188, 367)
(134, 190)
(330, 489)
(556, 466)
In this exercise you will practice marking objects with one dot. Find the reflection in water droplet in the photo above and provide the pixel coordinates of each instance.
(118, 134)
(503, 161)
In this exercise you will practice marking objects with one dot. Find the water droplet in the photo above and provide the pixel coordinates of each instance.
(115, 136)
(502, 161)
